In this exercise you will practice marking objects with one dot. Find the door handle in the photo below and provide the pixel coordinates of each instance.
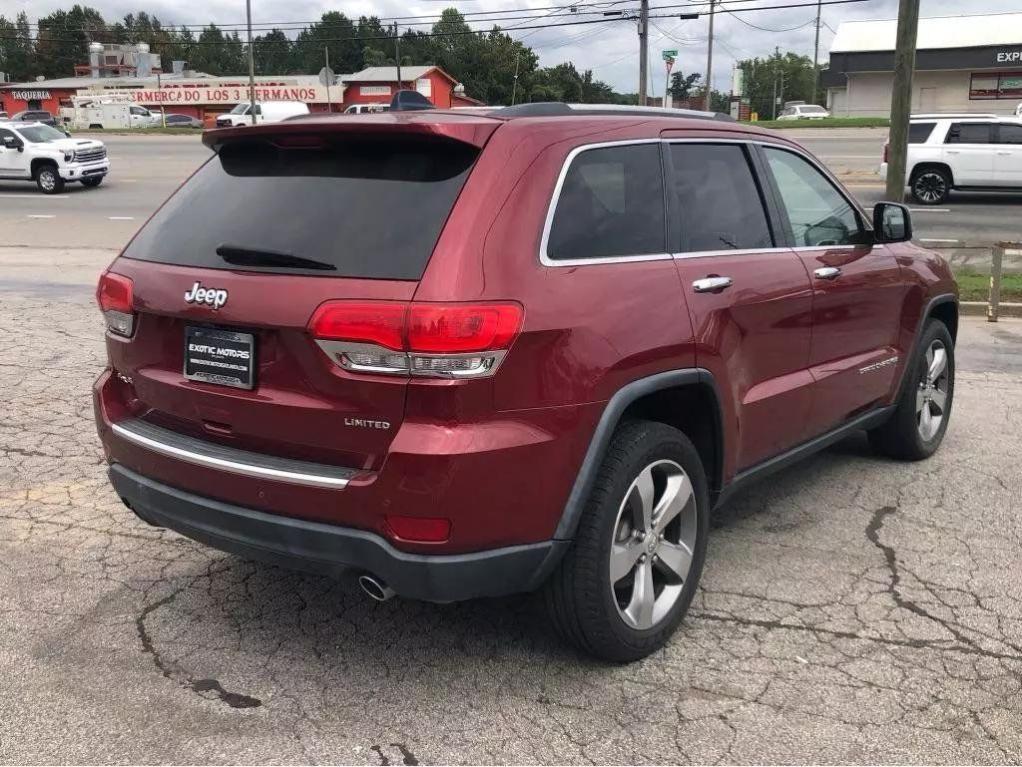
(827, 273)
(953, 151)
(712, 284)
(1002, 152)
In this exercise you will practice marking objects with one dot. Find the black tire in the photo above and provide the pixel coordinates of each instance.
(903, 436)
(48, 179)
(92, 182)
(582, 603)
(931, 186)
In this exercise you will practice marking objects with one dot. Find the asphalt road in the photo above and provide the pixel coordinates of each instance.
(147, 169)
(853, 609)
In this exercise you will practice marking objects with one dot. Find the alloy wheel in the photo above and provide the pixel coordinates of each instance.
(654, 538)
(931, 396)
(930, 187)
(47, 180)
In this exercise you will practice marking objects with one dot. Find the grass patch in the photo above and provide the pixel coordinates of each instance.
(975, 286)
(830, 122)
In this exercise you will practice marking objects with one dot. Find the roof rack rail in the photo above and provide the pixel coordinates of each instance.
(561, 109)
(946, 115)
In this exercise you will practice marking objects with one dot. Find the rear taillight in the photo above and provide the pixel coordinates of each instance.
(421, 339)
(887, 152)
(114, 294)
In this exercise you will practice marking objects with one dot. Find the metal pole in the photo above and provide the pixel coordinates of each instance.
(708, 104)
(159, 95)
(996, 270)
(773, 100)
(514, 82)
(643, 49)
(326, 58)
(251, 63)
(901, 97)
(667, 85)
(397, 54)
(816, 54)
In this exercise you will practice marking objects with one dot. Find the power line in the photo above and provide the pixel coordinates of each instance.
(469, 17)
(371, 38)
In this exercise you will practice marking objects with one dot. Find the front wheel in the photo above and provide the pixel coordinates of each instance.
(931, 186)
(921, 415)
(48, 180)
(631, 573)
(92, 182)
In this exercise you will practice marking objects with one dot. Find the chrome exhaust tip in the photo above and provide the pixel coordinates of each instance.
(375, 588)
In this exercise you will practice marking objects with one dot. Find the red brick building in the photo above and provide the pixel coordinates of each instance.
(205, 96)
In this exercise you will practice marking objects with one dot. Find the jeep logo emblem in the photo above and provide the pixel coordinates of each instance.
(215, 297)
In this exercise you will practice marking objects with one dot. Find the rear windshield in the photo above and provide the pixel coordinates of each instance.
(918, 133)
(357, 208)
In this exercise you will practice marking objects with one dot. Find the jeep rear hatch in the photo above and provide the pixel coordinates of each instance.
(279, 222)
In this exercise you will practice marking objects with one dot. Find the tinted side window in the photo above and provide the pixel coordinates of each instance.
(718, 204)
(1010, 134)
(969, 133)
(611, 204)
(918, 133)
(819, 215)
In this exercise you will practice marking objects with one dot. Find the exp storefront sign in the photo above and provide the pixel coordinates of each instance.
(1010, 57)
(224, 95)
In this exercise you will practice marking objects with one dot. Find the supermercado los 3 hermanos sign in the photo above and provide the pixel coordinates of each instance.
(226, 94)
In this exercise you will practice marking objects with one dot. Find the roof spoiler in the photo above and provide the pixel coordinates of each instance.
(409, 101)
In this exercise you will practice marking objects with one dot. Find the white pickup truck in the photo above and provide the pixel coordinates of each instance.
(37, 152)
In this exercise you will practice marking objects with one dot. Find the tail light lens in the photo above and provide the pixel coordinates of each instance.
(421, 339)
(115, 296)
(419, 529)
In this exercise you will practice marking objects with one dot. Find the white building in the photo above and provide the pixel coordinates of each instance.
(963, 64)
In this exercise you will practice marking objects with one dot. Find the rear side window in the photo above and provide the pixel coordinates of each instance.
(918, 133)
(969, 133)
(359, 208)
(610, 204)
(1010, 133)
(718, 204)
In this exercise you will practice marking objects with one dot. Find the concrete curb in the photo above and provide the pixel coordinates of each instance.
(979, 309)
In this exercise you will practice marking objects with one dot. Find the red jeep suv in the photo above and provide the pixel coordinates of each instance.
(472, 354)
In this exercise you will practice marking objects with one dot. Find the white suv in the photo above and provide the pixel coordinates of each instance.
(37, 152)
(803, 112)
(961, 151)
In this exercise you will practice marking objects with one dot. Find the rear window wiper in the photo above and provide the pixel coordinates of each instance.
(242, 256)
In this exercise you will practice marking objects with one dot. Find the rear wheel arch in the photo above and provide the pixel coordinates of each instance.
(686, 399)
(921, 167)
(946, 311)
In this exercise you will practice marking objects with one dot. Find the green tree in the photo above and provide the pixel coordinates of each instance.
(17, 51)
(790, 73)
(272, 53)
(682, 85)
(64, 37)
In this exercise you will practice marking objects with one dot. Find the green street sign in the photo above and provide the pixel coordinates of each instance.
(672, 54)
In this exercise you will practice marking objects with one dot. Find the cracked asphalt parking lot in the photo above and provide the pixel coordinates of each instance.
(852, 610)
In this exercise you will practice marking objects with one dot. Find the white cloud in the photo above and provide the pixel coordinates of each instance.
(610, 49)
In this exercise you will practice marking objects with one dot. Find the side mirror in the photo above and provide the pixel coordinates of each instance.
(67, 133)
(10, 142)
(892, 222)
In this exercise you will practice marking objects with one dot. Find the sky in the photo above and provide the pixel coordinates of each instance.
(609, 49)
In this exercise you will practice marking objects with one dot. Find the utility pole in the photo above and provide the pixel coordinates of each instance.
(514, 83)
(397, 53)
(816, 53)
(708, 104)
(251, 64)
(643, 49)
(901, 97)
(326, 63)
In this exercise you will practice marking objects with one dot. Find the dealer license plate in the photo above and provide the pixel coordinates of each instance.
(220, 357)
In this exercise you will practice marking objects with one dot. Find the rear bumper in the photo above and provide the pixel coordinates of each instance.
(332, 550)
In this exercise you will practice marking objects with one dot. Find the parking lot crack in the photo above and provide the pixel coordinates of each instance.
(172, 672)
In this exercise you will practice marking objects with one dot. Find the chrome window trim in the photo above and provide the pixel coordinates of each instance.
(309, 478)
(548, 222)
(545, 260)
